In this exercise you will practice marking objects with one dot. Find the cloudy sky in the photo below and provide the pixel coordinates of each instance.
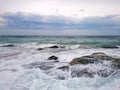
(59, 17)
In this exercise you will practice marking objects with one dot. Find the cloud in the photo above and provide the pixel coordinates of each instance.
(59, 24)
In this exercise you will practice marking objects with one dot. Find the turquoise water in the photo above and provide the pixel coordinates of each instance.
(97, 41)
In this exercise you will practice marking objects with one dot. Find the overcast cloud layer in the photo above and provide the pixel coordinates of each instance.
(19, 22)
(60, 17)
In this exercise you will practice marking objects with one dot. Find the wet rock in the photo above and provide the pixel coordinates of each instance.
(54, 46)
(116, 63)
(53, 58)
(64, 68)
(10, 45)
(84, 72)
(110, 47)
(99, 54)
(83, 60)
(40, 49)
(94, 58)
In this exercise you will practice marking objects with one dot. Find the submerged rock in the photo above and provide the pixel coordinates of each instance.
(60, 77)
(84, 72)
(53, 58)
(64, 68)
(105, 73)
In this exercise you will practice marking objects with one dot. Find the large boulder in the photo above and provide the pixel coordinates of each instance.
(88, 59)
(96, 58)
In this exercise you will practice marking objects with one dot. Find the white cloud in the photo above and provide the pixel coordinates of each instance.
(69, 8)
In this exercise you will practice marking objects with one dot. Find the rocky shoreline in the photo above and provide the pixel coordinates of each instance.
(78, 67)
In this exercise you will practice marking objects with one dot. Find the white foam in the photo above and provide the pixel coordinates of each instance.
(13, 76)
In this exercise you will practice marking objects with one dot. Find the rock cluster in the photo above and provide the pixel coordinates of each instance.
(77, 67)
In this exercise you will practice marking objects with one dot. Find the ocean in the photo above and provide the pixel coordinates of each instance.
(97, 41)
(43, 63)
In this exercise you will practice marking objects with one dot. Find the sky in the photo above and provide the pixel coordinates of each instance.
(59, 17)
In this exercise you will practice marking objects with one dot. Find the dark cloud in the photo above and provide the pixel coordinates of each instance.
(22, 21)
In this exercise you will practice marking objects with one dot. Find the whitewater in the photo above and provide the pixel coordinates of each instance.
(24, 67)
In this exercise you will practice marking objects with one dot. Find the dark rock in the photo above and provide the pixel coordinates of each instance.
(94, 58)
(53, 58)
(64, 68)
(83, 60)
(84, 72)
(110, 47)
(40, 49)
(8, 45)
(54, 46)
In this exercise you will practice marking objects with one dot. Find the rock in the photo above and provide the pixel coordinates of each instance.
(64, 68)
(8, 45)
(99, 54)
(94, 58)
(116, 63)
(83, 60)
(54, 46)
(40, 49)
(110, 47)
(84, 72)
(53, 58)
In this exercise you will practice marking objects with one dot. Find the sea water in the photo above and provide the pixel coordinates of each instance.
(17, 71)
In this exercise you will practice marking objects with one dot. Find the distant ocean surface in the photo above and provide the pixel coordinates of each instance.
(95, 41)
